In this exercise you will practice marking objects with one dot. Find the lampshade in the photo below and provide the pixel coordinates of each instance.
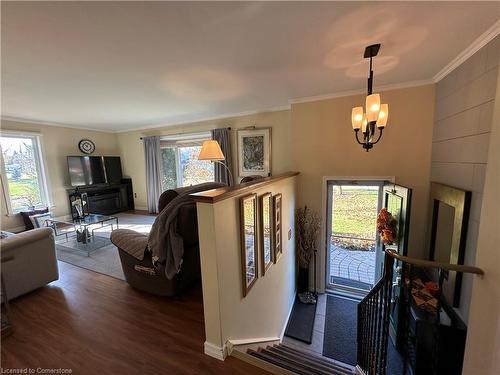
(210, 150)
(357, 117)
(383, 114)
(372, 107)
(364, 123)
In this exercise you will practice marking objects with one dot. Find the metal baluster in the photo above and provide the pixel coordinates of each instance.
(437, 324)
(407, 285)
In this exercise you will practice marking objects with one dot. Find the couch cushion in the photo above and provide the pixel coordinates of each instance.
(26, 216)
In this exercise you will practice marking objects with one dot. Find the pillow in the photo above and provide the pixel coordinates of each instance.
(26, 216)
(40, 219)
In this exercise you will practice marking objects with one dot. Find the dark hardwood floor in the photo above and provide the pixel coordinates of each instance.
(95, 324)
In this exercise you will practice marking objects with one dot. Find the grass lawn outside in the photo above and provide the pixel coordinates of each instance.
(23, 193)
(354, 211)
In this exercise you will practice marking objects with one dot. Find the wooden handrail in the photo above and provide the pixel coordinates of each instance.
(431, 264)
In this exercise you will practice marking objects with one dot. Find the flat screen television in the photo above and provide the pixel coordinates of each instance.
(92, 170)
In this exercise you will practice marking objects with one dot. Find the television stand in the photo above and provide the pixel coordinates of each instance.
(107, 199)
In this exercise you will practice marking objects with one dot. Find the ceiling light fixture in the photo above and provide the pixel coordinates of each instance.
(376, 114)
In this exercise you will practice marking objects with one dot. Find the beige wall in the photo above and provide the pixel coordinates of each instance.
(264, 311)
(462, 125)
(132, 151)
(482, 354)
(57, 143)
(323, 144)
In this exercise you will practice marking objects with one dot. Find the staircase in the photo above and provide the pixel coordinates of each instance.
(295, 361)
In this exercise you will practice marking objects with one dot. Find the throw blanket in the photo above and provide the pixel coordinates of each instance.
(164, 242)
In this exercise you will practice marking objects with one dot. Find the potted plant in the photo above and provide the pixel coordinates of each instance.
(307, 229)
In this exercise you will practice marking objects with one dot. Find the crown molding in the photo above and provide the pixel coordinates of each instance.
(395, 86)
(205, 119)
(56, 124)
(475, 46)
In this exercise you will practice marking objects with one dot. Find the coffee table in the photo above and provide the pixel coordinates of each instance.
(84, 229)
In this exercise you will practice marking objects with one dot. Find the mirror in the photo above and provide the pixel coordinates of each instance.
(449, 220)
(444, 232)
(248, 223)
(266, 231)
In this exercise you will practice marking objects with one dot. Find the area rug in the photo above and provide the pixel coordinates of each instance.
(340, 335)
(104, 258)
(301, 323)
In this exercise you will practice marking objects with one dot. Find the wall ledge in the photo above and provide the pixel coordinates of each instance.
(220, 194)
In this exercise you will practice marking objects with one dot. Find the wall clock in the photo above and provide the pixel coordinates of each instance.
(86, 146)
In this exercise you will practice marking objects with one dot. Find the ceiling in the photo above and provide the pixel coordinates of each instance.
(123, 65)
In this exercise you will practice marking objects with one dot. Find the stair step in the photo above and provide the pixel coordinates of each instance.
(312, 360)
(317, 368)
(279, 362)
(300, 362)
(326, 361)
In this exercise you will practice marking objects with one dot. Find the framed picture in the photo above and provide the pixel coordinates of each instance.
(249, 245)
(278, 247)
(254, 152)
(266, 230)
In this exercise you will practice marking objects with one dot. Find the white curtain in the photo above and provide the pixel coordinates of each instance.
(153, 171)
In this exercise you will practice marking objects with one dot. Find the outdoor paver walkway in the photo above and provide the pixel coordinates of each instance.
(352, 264)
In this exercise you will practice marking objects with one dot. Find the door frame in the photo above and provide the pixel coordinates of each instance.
(321, 260)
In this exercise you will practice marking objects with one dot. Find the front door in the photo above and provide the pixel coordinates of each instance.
(397, 200)
(353, 262)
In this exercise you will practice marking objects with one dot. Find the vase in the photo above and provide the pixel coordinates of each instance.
(303, 280)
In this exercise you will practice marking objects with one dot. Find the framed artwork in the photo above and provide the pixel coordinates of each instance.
(278, 247)
(266, 230)
(249, 245)
(254, 152)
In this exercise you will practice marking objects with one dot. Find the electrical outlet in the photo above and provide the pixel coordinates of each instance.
(289, 234)
(135, 195)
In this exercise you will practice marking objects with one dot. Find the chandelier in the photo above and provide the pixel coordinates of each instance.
(376, 114)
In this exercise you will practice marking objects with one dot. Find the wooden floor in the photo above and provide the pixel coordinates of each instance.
(95, 324)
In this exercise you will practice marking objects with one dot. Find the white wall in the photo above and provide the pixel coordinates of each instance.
(263, 312)
(462, 125)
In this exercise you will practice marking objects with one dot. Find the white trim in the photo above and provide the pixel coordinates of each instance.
(282, 334)
(140, 208)
(56, 124)
(340, 94)
(198, 136)
(215, 351)
(321, 259)
(41, 167)
(475, 46)
(251, 341)
(205, 119)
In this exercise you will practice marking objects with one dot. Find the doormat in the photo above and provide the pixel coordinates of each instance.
(301, 323)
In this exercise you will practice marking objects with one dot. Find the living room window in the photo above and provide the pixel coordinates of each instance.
(179, 161)
(23, 174)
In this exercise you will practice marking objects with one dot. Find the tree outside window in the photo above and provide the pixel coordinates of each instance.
(21, 172)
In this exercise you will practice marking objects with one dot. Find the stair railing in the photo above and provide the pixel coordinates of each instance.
(375, 309)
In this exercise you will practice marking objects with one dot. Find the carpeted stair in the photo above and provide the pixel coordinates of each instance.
(300, 362)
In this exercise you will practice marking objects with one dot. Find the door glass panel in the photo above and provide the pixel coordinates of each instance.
(353, 210)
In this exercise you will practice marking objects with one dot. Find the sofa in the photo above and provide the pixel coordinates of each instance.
(148, 275)
(33, 264)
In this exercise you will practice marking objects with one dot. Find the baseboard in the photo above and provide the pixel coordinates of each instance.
(215, 351)
(139, 208)
(288, 317)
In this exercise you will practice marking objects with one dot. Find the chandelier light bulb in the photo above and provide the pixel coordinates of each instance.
(357, 117)
(383, 115)
(372, 107)
(365, 123)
